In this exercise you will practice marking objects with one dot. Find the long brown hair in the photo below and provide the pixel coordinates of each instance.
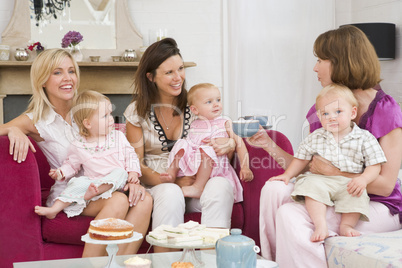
(354, 61)
(145, 91)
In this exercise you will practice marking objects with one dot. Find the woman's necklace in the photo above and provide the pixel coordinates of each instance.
(163, 118)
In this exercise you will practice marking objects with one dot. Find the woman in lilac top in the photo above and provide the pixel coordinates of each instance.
(345, 56)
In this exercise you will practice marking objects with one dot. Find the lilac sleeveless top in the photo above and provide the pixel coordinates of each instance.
(382, 116)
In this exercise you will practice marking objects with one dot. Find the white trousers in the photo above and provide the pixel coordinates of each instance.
(286, 227)
(215, 204)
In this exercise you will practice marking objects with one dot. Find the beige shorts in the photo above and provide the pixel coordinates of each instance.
(331, 191)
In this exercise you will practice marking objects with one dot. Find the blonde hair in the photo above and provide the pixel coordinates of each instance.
(339, 91)
(86, 104)
(41, 69)
(354, 62)
(193, 90)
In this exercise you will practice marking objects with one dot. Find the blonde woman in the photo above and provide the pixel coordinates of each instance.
(55, 79)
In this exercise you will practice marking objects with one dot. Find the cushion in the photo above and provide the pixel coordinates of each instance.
(65, 230)
(367, 251)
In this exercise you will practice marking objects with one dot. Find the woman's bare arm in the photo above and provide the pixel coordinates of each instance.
(135, 137)
(261, 139)
(391, 144)
(17, 130)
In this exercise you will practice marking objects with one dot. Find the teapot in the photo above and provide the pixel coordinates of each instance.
(236, 251)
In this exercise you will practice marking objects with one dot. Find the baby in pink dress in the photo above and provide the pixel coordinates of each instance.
(105, 155)
(192, 156)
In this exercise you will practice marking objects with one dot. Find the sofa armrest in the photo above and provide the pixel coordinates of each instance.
(20, 227)
(263, 167)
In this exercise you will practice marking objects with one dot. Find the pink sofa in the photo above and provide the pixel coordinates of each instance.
(25, 236)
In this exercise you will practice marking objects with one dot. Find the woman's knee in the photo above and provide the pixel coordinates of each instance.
(147, 202)
(168, 196)
(118, 201)
(277, 189)
(217, 189)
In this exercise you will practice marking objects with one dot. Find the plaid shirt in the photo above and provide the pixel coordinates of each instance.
(355, 151)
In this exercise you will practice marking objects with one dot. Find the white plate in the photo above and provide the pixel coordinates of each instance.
(266, 264)
(136, 236)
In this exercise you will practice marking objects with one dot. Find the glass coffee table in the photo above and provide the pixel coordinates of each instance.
(208, 257)
(159, 260)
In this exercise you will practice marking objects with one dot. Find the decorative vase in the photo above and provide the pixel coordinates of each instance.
(129, 55)
(21, 54)
(75, 51)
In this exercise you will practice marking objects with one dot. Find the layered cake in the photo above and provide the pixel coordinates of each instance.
(110, 229)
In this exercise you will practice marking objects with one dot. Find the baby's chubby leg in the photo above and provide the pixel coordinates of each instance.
(201, 178)
(94, 190)
(171, 172)
(317, 212)
(348, 222)
(51, 212)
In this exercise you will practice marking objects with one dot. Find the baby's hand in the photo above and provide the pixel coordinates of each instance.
(246, 175)
(283, 178)
(133, 177)
(357, 186)
(56, 174)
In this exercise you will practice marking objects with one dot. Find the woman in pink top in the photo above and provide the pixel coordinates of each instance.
(48, 120)
(345, 56)
(106, 157)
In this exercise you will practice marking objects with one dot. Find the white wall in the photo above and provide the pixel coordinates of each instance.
(360, 11)
(196, 26)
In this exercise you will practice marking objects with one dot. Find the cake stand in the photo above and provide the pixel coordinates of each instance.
(112, 247)
(188, 249)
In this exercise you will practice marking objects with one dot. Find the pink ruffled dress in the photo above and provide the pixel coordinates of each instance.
(191, 160)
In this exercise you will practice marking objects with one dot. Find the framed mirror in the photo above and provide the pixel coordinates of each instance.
(126, 36)
(88, 17)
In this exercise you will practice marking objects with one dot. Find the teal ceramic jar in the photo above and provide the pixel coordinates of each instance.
(236, 251)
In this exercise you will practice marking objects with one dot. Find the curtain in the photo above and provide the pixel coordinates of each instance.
(269, 60)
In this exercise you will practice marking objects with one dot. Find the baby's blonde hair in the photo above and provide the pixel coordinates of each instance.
(86, 104)
(339, 91)
(193, 90)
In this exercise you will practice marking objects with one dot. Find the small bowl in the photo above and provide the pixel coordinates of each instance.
(246, 128)
(94, 58)
(116, 58)
(262, 118)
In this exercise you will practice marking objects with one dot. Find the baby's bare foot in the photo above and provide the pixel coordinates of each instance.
(166, 177)
(46, 211)
(320, 233)
(91, 192)
(347, 230)
(191, 191)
